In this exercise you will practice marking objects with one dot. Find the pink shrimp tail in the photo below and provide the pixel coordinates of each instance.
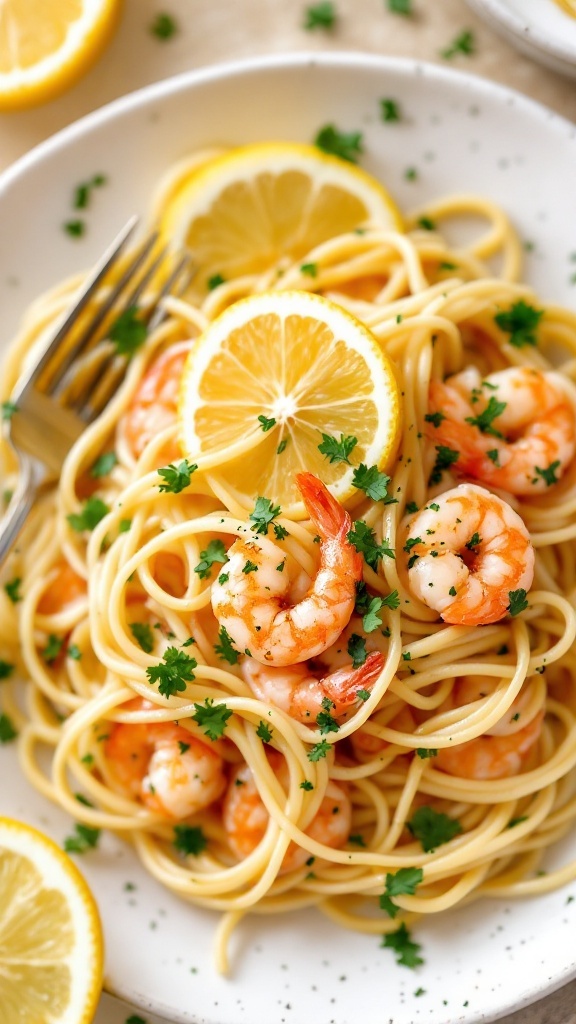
(329, 517)
(361, 678)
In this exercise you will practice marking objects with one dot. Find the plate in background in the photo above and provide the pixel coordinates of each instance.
(539, 28)
(461, 134)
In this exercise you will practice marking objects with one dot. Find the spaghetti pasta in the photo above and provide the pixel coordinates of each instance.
(457, 760)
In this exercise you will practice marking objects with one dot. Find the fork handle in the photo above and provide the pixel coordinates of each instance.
(20, 504)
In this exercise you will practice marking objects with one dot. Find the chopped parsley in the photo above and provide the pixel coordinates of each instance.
(215, 552)
(337, 451)
(426, 752)
(212, 718)
(225, 649)
(128, 332)
(493, 455)
(402, 883)
(12, 588)
(6, 669)
(104, 464)
(484, 420)
(174, 671)
(371, 619)
(164, 26)
(311, 269)
(517, 821)
(83, 839)
(266, 423)
(432, 828)
(319, 750)
(518, 602)
(215, 281)
(320, 15)
(176, 478)
(373, 483)
(92, 511)
(357, 839)
(143, 635)
(263, 515)
(549, 474)
(463, 43)
(400, 7)
(474, 542)
(307, 785)
(249, 567)
(8, 731)
(53, 648)
(183, 747)
(280, 532)
(426, 223)
(445, 457)
(346, 145)
(75, 228)
(282, 445)
(189, 840)
(407, 952)
(435, 418)
(357, 650)
(83, 192)
(520, 322)
(390, 111)
(324, 720)
(363, 538)
(264, 732)
(412, 508)
(8, 410)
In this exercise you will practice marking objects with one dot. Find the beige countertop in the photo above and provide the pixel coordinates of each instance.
(211, 31)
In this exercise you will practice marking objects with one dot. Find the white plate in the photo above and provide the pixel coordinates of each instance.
(462, 134)
(539, 28)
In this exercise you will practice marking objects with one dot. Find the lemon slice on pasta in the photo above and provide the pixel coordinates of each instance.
(46, 45)
(50, 935)
(272, 375)
(242, 212)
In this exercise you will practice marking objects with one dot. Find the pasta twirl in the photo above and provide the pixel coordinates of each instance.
(458, 758)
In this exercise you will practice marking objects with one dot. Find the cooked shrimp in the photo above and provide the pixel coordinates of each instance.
(502, 750)
(64, 589)
(303, 694)
(255, 605)
(245, 817)
(514, 429)
(164, 766)
(467, 551)
(155, 401)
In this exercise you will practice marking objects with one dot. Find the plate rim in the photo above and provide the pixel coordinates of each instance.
(174, 84)
(184, 81)
(523, 30)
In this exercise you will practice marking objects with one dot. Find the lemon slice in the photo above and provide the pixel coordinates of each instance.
(50, 936)
(244, 211)
(45, 45)
(301, 361)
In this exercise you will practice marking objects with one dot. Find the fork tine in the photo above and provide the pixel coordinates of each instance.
(113, 368)
(159, 313)
(89, 333)
(80, 302)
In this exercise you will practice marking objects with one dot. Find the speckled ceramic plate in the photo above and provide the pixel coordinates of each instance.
(461, 134)
(541, 29)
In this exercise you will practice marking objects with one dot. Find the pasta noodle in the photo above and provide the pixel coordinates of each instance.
(433, 309)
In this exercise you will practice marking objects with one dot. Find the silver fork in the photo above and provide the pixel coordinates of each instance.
(74, 377)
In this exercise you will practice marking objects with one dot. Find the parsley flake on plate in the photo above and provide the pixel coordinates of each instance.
(407, 952)
(164, 26)
(390, 111)
(8, 731)
(400, 7)
(320, 15)
(346, 145)
(83, 839)
(463, 43)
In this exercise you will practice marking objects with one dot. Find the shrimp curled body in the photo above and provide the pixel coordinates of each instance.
(468, 549)
(253, 600)
(154, 404)
(164, 766)
(514, 429)
(245, 817)
(302, 694)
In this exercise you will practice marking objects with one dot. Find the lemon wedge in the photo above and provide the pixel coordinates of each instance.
(269, 377)
(50, 935)
(242, 212)
(45, 45)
